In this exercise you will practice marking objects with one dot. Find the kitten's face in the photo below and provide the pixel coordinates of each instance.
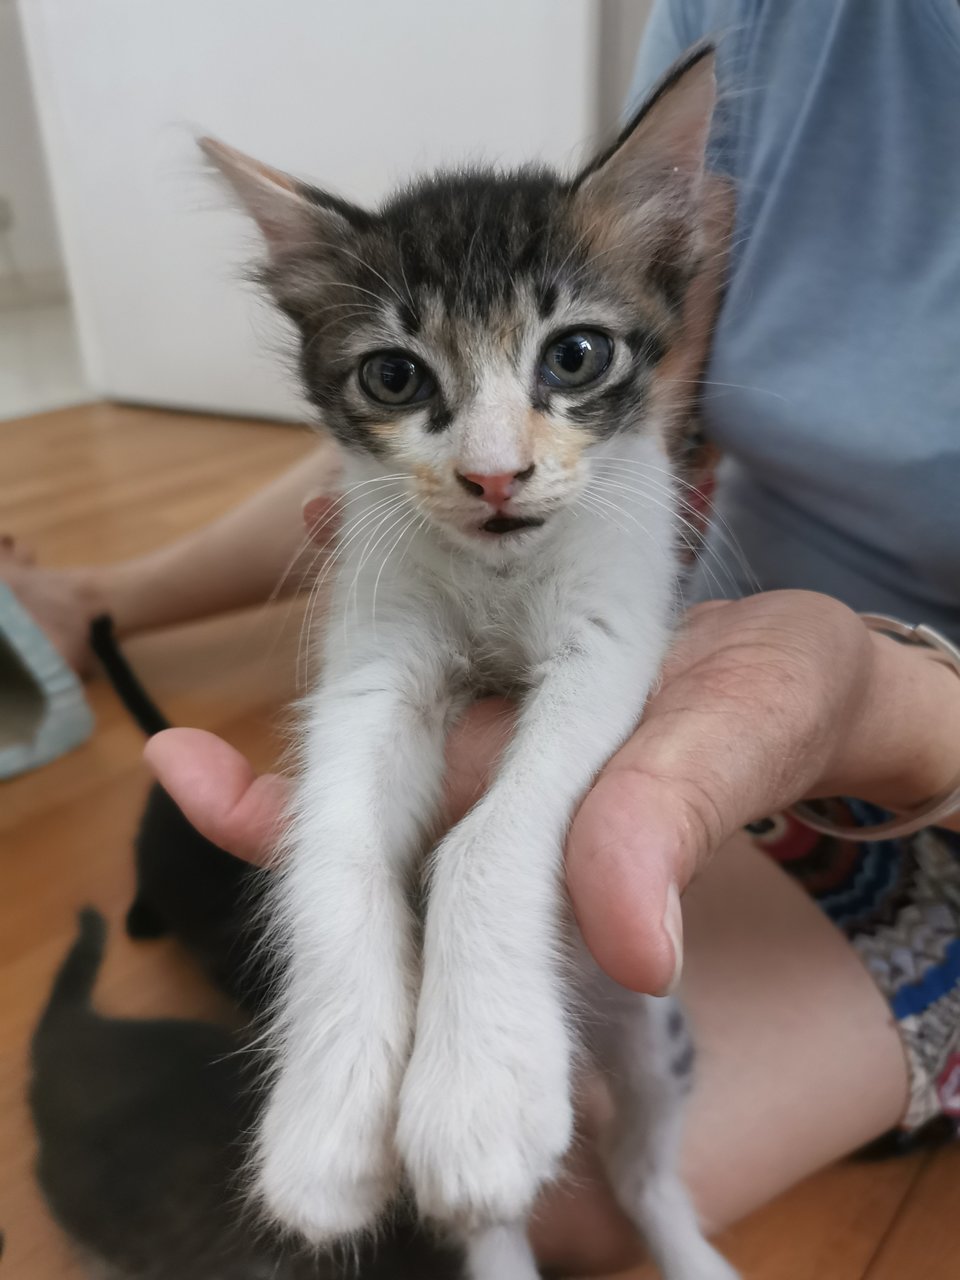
(481, 334)
(471, 342)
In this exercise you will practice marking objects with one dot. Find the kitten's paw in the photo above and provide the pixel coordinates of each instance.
(703, 1263)
(479, 1139)
(327, 1166)
(325, 1204)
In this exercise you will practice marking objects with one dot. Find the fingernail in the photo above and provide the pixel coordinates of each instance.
(673, 928)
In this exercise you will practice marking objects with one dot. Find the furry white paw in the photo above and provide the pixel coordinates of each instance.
(326, 1162)
(501, 1253)
(479, 1134)
(701, 1263)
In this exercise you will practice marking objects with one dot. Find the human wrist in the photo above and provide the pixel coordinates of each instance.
(901, 745)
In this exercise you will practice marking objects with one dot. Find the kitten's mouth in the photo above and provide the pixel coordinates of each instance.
(511, 524)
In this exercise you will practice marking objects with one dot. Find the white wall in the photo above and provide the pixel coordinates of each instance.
(31, 268)
(352, 95)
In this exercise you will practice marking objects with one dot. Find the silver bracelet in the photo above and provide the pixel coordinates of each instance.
(940, 806)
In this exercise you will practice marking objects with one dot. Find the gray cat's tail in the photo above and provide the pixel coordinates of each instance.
(126, 683)
(73, 985)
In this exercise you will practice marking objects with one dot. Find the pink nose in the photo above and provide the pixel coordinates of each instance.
(497, 489)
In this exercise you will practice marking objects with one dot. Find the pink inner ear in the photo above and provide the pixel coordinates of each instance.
(275, 176)
(680, 125)
(667, 142)
(271, 197)
(224, 155)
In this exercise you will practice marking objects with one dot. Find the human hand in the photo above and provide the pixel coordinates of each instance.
(754, 710)
(762, 702)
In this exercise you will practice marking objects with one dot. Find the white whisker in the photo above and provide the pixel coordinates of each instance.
(339, 248)
(393, 546)
(700, 544)
(356, 530)
(338, 504)
(352, 599)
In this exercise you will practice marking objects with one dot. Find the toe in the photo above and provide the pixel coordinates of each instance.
(14, 552)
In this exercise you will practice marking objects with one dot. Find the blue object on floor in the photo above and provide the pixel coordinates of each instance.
(43, 710)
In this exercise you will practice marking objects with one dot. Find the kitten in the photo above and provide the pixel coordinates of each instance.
(498, 354)
(186, 885)
(141, 1127)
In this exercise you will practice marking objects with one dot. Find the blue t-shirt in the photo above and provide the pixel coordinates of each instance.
(834, 383)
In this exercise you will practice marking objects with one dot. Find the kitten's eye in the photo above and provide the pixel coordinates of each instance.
(576, 358)
(393, 377)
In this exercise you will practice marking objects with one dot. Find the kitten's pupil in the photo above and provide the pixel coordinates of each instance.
(396, 375)
(571, 354)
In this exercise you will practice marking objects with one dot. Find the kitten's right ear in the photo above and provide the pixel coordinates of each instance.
(291, 215)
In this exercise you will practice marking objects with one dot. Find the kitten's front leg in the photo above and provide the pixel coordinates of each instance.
(485, 1113)
(644, 1046)
(326, 1159)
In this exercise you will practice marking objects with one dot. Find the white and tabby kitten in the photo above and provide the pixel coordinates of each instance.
(498, 355)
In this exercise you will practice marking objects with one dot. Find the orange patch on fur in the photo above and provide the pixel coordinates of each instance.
(386, 431)
(427, 479)
(551, 438)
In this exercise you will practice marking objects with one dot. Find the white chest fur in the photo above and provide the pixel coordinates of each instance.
(452, 1063)
(504, 612)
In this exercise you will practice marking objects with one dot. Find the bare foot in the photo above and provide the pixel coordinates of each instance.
(62, 602)
(15, 552)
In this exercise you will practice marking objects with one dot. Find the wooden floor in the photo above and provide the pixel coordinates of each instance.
(103, 482)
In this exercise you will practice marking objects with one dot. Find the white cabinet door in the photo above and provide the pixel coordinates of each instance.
(353, 95)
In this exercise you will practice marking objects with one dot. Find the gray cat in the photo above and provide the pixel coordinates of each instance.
(141, 1126)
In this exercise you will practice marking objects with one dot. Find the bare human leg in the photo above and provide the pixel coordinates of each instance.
(236, 561)
(799, 1062)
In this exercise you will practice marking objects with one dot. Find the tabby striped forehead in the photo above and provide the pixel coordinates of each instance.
(482, 242)
(472, 273)
(470, 270)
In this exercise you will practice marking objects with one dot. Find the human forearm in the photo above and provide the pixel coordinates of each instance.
(233, 562)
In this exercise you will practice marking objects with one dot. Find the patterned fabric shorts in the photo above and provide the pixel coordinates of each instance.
(898, 903)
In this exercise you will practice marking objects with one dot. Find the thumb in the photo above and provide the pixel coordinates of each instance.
(218, 791)
(626, 867)
(697, 770)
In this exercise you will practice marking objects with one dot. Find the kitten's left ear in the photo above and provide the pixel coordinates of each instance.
(650, 181)
(292, 215)
(665, 140)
